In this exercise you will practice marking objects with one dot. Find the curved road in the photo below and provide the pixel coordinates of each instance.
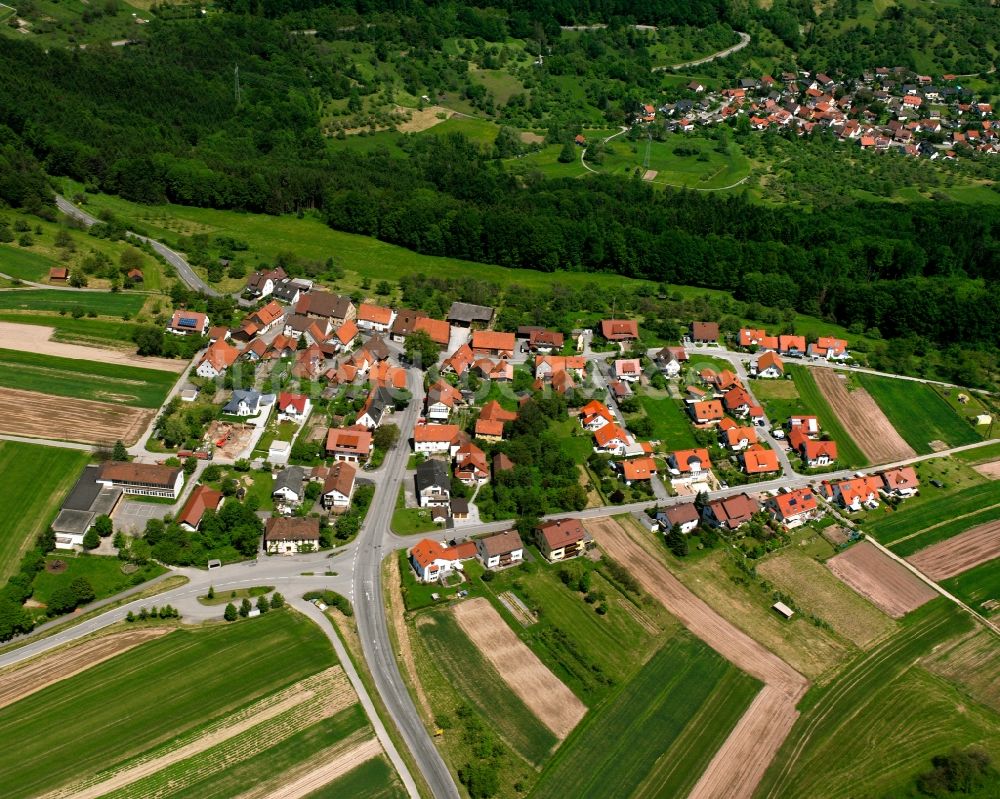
(172, 257)
(743, 42)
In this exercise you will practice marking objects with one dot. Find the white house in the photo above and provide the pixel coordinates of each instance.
(501, 550)
(289, 485)
(431, 560)
(435, 438)
(375, 318)
(294, 407)
(433, 484)
(287, 535)
(339, 486)
(244, 402)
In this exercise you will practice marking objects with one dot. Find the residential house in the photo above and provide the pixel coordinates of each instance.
(326, 305)
(297, 325)
(620, 329)
(217, 332)
(338, 487)
(595, 415)
(142, 479)
(442, 399)
(561, 539)
(378, 404)
(829, 348)
(261, 284)
(351, 445)
(793, 346)
(465, 314)
(217, 359)
(376, 348)
(548, 366)
(758, 460)
(471, 466)
(769, 365)
(731, 512)
(295, 407)
(346, 335)
(404, 324)
(735, 436)
(459, 508)
(707, 412)
(670, 360)
(267, 317)
(432, 561)
(810, 424)
(704, 332)
(545, 341)
(628, 369)
(750, 337)
(611, 439)
(289, 485)
(287, 290)
(202, 499)
(637, 469)
(501, 550)
(814, 453)
(902, 482)
(684, 515)
(502, 370)
(435, 438)
(737, 401)
(856, 493)
(493, 343)
(384, 375)
(188, 323)
(285, 535)
(433, 484)
(309, 364)
(793, 508)
(244, 402)
(438, 330)
(689, 465)
(375, 318)
(459, 361)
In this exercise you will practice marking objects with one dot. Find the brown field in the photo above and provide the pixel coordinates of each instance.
(36, 338)
(740, 763)
(545, 695)
(876, 576)
(20, 681)
(972, 662)
(955, 555)
(333, 762)
(422, 120)
(817, 591)
(990, 469)
(28, 413)
(863, 419)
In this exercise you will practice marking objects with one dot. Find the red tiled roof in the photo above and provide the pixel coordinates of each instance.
(492, 340)
(202, 498)
(374, 313)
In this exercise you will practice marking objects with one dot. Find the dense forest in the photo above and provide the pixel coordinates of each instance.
(161, 122)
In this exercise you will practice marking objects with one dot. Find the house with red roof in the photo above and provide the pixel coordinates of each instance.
(459, 361)
(493, 343)
(375, 318)
(295, 407)
(595, 415)
(792, 345)
(769, 366)
(350, 444)
(442, 399)
(731, 512)
(433, 438)
(217, 359)
(612, 439)
(628, 369)
(735, 436)
(438, 330)
(432, 560)
(689, 465)
(809, 424)
(793, 508)
(706, 412)
(829, 348)
(561, 539)
(759, 460)
(188, 323)
(202, 499)
(737, 401)
(637, 469)
(902, 482)
(856, 493)
(620, 329)
(471, 466)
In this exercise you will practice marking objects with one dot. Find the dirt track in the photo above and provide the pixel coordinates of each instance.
(530, 679)
(955, 555)
(36, 338)
(740, 763)
(28, 413)
(21, 681)
(880, 579)
(863, 419)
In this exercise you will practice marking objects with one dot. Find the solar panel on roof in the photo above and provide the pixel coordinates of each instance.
(187, 321)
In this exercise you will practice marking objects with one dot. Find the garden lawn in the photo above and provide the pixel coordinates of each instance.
(24, 264)
(465, 668)
(92, 380)
(902, 713)
(150, 694)
(34, 480)
(373, 779)
(103, 303)
(919, 414)
(657, 732)
(671, 424)
(104, 574)
(848, 452)
(978, 585)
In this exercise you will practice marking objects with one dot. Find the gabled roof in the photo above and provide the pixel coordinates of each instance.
(376, 314)
(188, 320)
(595, 408)
(433, 433)
(291, 478)
(271, 312)
(459, 360)
(347, 332)
(560, 533)
(489, 427)
(432, 473)
(444, 392)
(340, 479)
(494, 411)
(736, 398)
(501, 543)
(793, 503)
(712, 409)
(705, 331)
(352, 441)
(405, 322)
(437, 329)
(202, 498)
(296, 401)
(681, 514)
(734, 511)
(467, 313)
(292, 528)
(769, 359)
(605, 435)
(617, 329)
(426, 551)
(221, 355)
(324, 303)
(788, 343)
(492, 340)
(759, 460)
(638, 469)
(683, 458)
(813, 450)
(151, 473)
(902, 478)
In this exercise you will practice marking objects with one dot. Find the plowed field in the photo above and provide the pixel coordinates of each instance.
(28, 413)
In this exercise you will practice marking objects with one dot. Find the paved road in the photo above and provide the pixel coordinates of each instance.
(743, 42)
(175, 259)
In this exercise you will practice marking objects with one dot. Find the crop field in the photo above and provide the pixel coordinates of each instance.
(918, 413)
(103, 303)
(903, 715)
(85, 330)
(814, 388)
(462, 665)
(817, 591)
(373, 779)
(27, 413)
(90, 380)
(638, 740)
(952, 557)
(971, 662)
(68, 730)
(33, 482)
(671, 424)
(877, 577)
(979, 587)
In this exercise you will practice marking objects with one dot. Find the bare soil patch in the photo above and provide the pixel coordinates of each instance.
(55, 566)
(36, 338)
(649, 174)
(398, 620)
(546, 696)
(990, 469)
(740, 763)
(835, 534)
(422, 120)
(863, 418)
(531, 138)
(28, 413)
(23, 680)
(235, 437)
(955, 555)
(879, 578)
(336, 761)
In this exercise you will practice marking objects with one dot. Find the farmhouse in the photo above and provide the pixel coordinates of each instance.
(704, 332)
(501, 550)
(433, 438)
(404, 324)
(465, 314)
(288, 485)
(202, 499)
(217, 359)
(769, 365)
(339, 486)
(288, 535)
(793, 508)
(561, 539)
(375, 318)
(685, 516)
(902, 482)
(431, 560)
(433, 484)
(490, 342)
(545, 341)
(620, 329)
(188, 323)
(731, 512)
(351, 445)
(438, 330)
(326, 305)
(143, 479)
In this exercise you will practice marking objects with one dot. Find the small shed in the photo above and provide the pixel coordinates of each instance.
(783, 609)
(58, 273)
